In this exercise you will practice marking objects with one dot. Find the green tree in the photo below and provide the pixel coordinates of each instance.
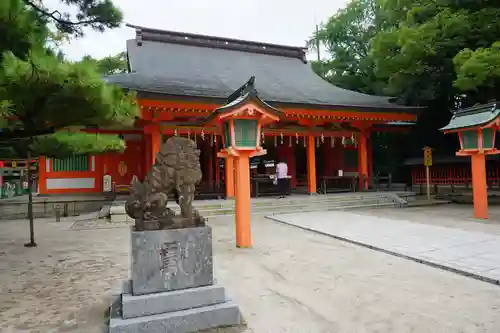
(42, 94)
(478, 72)
(96, 14)
(20, 29)
(111, 64)
(347, 36)
(438, 55)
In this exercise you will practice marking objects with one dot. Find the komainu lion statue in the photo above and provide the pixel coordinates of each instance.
(176, 171)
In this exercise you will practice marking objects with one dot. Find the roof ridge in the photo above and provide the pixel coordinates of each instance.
(184, 38)
(477, 108)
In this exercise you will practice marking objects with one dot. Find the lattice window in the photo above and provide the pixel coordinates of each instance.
(72, 163)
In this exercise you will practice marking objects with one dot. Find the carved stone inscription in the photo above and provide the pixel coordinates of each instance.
(164, 260)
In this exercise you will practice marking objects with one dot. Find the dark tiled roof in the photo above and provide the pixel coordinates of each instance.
(242, 95)
(474, 116)
(181, 64)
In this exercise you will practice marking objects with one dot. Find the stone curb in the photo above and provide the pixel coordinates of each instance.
(396, 254)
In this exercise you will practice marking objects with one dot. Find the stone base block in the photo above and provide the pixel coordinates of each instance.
(157, 303)
(165, 260)
(114, 218)
(192, 320)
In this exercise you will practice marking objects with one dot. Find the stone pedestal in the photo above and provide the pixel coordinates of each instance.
(172, 287)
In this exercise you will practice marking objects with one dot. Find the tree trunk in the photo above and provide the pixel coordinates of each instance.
(30, 203)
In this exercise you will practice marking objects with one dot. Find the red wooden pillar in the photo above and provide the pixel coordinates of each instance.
(217, 147)
(311, 164)
(209, 162)
(42, 175)
(153, 141)
(363, 161)
(370, 158)
(146, 153)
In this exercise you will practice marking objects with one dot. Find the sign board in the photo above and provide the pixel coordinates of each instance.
(427, 156)
(106, 183)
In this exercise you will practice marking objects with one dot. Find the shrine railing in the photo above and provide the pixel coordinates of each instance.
(454, 175)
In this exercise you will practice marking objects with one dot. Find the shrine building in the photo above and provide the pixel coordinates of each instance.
(323, 132)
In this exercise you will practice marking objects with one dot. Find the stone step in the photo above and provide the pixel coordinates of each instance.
(150, 304)
(297, 207)
(184, 321)
(284, 206)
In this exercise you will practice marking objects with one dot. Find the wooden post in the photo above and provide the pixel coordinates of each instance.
(428, 164)
(42, 175)
(479, 188)
(229, 174)
(243, 204)
(155, 142)
(363, 161)
(311, 165)
(428, 182)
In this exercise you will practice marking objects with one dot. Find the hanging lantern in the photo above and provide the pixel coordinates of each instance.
(322, 138)
(215, 139)
(343, 141)
(202, 135)
(296, 138)
(305, 142)
(262, 136)
(290, 141)
(353, 138)
(281, 137)
(332, 141)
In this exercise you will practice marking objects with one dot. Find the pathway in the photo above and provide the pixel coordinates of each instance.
(475, 254)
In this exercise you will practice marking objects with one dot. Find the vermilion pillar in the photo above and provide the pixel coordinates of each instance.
(243, 203)
(217, 164)
(370, 158)
(229, 174)
(209, 155)
(311, 165)
(42, 175)
(363, 160)
(479, 186)
(155, 142)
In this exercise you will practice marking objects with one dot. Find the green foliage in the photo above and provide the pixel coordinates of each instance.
(347, 38)
(45, 92)
(479, 69)
(62, 144)
(417, 58)
(109, 65)
(20, 29)
(96, 14)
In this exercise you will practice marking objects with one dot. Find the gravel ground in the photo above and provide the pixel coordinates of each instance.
(291, 281)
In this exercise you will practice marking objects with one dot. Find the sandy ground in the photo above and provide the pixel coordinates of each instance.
(291, 281)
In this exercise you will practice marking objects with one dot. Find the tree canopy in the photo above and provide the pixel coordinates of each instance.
(41, 92)
(109, 65)
(439, 54)
(96, 14)
(347, 37)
